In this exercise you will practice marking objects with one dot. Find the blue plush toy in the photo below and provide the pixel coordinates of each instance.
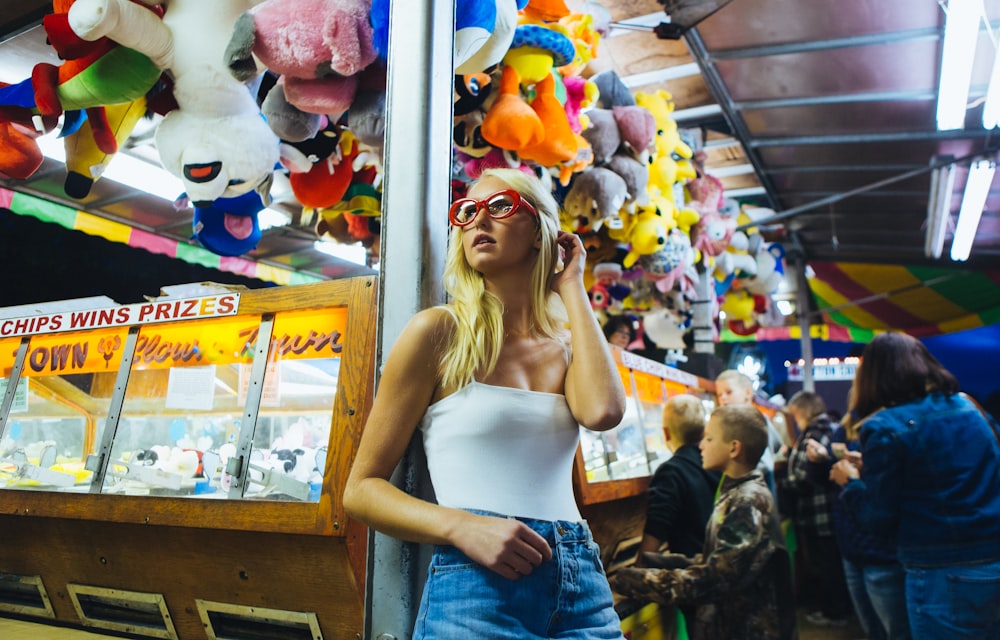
(229, 227)
(484, 30)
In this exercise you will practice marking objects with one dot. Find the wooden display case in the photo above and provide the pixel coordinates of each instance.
(174, 469)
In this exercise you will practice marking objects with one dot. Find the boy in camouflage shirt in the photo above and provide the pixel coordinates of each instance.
(741, 584)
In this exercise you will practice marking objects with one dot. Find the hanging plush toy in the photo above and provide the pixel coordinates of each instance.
(85, 159)
(95, 73)
(215, 141)
(317, 46)
(229, 226)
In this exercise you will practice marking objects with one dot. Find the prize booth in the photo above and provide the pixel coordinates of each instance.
(174, 469)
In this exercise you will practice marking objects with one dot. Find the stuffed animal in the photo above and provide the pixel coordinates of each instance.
(317, 46)
(594, 195)
(20, 155)
(85, 160)
(581, 29)
(229, 226)
(484, 30)
(647, 235)
(558, 143)
(612, 91)
(95, 73)
(216, 142)
(536, 50)
(511, 123)
(603, 135)
(580, 94)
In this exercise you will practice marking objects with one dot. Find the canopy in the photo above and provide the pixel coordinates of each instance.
(922, 301)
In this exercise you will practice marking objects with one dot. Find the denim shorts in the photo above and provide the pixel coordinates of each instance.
(567, 597)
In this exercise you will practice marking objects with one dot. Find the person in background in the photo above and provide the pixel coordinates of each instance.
(814, 497)
(928, 476)
(498, 388)
(741, 583)
(620, 331)
(874, 577)
(733, 388)
(681, 491)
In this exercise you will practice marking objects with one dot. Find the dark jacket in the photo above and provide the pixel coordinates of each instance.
(680, 500)
(741, 585)
(931, 480)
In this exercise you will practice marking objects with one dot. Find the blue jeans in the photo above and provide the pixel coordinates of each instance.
(878, 592)
(567, 597)
(954, 602)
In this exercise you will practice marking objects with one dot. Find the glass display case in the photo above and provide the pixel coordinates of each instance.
(55, 418)
(234, 399)
(618, 462)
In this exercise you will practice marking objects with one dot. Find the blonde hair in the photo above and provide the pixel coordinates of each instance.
(734, 378)
(478, 336)
(688, 418)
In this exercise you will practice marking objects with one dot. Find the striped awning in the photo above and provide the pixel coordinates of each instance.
(921, 301)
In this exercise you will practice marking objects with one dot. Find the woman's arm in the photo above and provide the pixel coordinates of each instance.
(409, 379)
(594, 389)
(875, 497)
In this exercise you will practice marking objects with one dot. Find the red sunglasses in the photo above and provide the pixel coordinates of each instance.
(500, 205)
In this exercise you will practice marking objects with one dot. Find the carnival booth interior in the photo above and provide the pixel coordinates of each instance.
(222, 440)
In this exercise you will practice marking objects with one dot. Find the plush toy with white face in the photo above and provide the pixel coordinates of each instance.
(216, 141)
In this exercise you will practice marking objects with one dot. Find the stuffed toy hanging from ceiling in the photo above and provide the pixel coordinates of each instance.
(215, 141)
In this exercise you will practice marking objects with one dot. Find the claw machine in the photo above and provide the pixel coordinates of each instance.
(173, 469)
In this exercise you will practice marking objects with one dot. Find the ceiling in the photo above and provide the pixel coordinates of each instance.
(822, 111)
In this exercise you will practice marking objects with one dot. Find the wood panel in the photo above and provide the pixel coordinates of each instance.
(641, 51)
(278, 571)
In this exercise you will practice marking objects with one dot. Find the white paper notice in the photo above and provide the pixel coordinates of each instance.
(191, 387)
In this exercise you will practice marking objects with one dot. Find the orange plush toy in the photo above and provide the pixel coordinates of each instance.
(510, 123)
(20, 156)
(559, 143)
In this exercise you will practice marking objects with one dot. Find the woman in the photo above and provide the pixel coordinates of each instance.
(498, 388)
(875, 579)
(620, 331)
(930, 479)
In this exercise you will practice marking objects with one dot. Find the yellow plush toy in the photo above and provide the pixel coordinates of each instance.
(648, 233)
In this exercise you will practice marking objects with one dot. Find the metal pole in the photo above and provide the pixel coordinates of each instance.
(415, 197)
(802, 304)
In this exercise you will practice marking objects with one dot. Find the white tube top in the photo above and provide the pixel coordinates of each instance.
(504, 450)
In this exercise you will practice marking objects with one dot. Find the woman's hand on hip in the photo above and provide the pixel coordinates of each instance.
(504, 545)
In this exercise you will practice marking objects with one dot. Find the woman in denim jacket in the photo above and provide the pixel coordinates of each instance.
(930, 479)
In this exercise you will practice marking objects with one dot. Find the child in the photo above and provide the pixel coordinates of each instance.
(741, 584)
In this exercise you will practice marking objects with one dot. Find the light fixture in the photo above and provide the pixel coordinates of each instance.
(269, 218)
(961, 33)
(939, 210)
(991, 109)
(125, 169)
(350, 252)
(977, 188)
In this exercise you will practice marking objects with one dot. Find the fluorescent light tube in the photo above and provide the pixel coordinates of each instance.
(991, 109)
(976, 190)
(939, 210)
(961, 33)
(350, 252)
(124, 169)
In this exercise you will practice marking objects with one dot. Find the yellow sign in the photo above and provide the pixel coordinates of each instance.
(75, 352)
